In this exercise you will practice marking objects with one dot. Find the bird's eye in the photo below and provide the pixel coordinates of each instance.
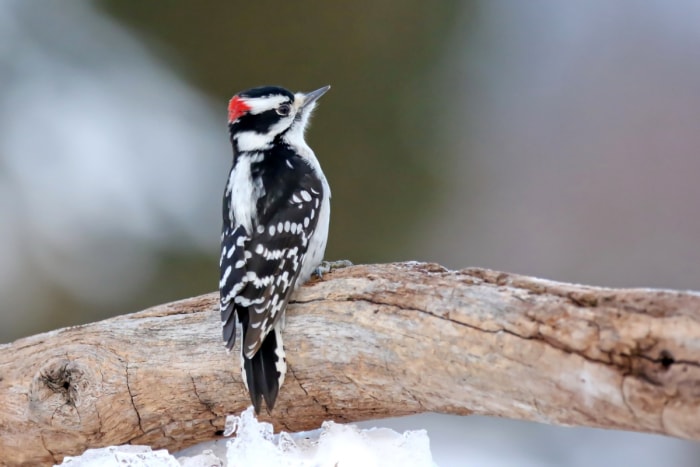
(284, 110)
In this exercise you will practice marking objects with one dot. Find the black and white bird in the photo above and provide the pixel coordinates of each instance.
(276, 212)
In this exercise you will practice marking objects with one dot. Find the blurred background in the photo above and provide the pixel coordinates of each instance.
(557, 139)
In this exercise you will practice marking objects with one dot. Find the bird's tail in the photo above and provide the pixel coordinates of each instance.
(264, 373)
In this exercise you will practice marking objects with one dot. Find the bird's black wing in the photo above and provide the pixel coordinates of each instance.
(259, 269)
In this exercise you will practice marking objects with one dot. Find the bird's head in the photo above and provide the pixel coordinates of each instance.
(259, 115)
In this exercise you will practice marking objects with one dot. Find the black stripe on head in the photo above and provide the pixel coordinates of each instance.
(264, 91)
(259, 123)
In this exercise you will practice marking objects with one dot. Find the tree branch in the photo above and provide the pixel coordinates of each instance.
(366, 342)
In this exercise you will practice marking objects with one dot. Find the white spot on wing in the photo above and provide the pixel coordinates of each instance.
(224, 278)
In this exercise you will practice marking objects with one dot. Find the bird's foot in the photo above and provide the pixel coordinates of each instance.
(328, 266)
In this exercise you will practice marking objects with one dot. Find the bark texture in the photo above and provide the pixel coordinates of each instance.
(365, 342)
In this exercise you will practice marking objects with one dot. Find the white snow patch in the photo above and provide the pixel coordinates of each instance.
(256, 444)
(333, 445)
(123, 456)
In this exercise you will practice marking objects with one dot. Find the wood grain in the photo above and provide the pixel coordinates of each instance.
(365, 342)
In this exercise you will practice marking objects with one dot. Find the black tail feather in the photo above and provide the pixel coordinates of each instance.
(262, 375)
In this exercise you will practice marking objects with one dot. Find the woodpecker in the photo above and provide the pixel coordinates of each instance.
(276, 210)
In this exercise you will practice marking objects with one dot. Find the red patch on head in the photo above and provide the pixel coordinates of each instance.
(236, 108)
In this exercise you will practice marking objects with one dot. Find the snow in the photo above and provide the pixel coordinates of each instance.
(123, 456)
(255, 443)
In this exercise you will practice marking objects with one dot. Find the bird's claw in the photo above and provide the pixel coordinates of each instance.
(328, 266)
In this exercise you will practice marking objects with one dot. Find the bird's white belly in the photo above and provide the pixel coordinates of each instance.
(317, 242)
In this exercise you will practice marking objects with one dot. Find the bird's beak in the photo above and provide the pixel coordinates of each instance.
(313, 96)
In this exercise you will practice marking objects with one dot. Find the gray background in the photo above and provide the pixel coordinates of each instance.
(557, 139)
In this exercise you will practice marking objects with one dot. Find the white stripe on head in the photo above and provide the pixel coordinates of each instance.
(262, 104)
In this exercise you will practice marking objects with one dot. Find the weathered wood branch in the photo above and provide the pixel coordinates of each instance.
(366, 342)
